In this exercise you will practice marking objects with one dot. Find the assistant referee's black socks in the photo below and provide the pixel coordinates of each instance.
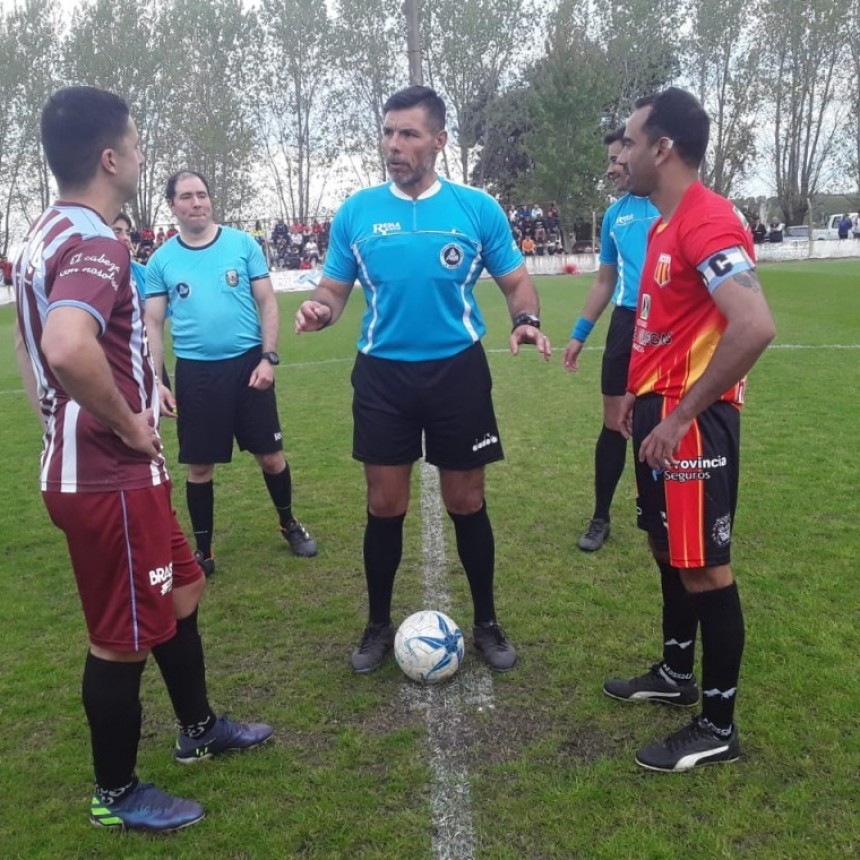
(201, 510)
(610, 455)
(476, 546)
(111, 696)
(723, 637)
(280, 488)
(183, 668)
(383, 549)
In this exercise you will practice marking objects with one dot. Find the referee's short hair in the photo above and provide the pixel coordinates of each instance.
(428, 98)
(78, 124)
(678, 115)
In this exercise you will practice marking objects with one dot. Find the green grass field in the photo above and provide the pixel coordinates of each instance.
(550, 765)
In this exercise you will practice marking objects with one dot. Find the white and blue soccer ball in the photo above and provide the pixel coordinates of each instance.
(429, 646)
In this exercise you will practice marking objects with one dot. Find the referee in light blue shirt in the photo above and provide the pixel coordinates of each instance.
(623, 239)
(417, 245)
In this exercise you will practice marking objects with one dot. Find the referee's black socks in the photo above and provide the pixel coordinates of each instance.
(476, 546)
(201, 509)
(383, 548)
(280, 488)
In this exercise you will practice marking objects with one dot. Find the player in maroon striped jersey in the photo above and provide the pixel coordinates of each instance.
(83, 352)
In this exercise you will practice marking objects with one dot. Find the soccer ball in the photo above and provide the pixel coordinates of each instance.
(429, 646)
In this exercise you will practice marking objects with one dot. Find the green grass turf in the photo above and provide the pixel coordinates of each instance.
(551, 765)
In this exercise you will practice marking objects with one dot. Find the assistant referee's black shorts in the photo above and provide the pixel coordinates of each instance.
(215, 404)
(616, 355)
(449, 400)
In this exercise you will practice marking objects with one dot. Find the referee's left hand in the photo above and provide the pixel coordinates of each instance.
(529, 334)
(263, 376)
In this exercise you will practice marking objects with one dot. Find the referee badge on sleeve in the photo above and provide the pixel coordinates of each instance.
(232, 277)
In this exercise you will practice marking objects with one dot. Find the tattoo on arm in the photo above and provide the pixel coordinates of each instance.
(748, 279)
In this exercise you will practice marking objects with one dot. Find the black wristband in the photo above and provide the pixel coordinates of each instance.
(526, 319)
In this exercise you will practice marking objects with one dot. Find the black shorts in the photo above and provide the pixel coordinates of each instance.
(449, 400)
(689, 509)
(616, 355)
(215, 404)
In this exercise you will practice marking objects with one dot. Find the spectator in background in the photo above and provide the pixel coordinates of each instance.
(528, 246)
(759, 232)
(775, 232)
(856, 227)
(844, 226)
(171, 231)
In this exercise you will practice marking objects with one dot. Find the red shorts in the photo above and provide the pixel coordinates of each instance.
(128, 553)
(689, 509)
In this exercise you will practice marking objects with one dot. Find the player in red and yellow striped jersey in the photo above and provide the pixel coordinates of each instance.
(701, 324)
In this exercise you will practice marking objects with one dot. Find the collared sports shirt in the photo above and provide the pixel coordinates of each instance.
(678, 324)
(209, 294)
(623, 240)
(418, 262)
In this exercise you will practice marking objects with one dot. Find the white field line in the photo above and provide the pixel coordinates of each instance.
(298, 365)
(444, 706)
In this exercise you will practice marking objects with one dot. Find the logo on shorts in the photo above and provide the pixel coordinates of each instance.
(183, 290)
(661, 273)
(232, 278)
(278, 436)
(722, 531)
(489, 439)
(697, 469)
(451, 255)
(162, 576)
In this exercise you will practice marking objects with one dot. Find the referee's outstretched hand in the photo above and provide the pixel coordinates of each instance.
(529, 334)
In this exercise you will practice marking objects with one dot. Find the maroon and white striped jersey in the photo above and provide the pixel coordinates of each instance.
(71, 258)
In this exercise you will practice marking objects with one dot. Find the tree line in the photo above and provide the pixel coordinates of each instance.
(282, 102)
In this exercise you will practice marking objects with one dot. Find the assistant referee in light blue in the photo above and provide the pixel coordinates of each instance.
(214, 283)
(623, 241)
(417, 245)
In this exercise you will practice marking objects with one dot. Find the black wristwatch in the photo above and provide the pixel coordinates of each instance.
(272, 357)
(526, 319)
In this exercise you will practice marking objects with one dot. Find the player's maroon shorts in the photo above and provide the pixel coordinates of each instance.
(689, 509)
(128, 553)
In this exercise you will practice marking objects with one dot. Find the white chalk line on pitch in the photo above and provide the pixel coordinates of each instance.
(299, 365)
(444, 706)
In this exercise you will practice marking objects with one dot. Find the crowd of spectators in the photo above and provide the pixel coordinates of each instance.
(147, 240)
(293, 246)
(537, 233)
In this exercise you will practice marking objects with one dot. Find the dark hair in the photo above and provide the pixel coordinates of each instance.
(78, 125)
(677, 114)
(123, 217)
(613, 136)
(170, 189)
(433, 106)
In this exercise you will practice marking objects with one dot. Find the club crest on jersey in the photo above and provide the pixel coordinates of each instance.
(661, 273)
(451, 255)
(232, 277)
(183, 290)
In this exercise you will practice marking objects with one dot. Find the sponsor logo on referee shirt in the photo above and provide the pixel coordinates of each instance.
(451, 255)
(183, 290)
(232, 277)
(386, 227)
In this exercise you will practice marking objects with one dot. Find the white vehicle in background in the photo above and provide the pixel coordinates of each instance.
(833, 224)
(800, 233)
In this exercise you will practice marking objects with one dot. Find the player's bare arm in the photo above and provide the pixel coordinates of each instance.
(324, 307)
(27, 375)
(263, 375)
(749, 329)
(522, 298)
(154, 314)
(595, 303)
(71, 347)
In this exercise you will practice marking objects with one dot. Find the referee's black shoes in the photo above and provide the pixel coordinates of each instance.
(301, 543)
(492, 643)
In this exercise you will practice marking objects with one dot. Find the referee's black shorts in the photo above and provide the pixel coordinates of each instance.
(616, 355)
(215, 404)
(449, 400)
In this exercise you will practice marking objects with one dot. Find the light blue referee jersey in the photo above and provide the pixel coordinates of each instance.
(623, 241)
(208, 289)
(418, 261)
(138, 276)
